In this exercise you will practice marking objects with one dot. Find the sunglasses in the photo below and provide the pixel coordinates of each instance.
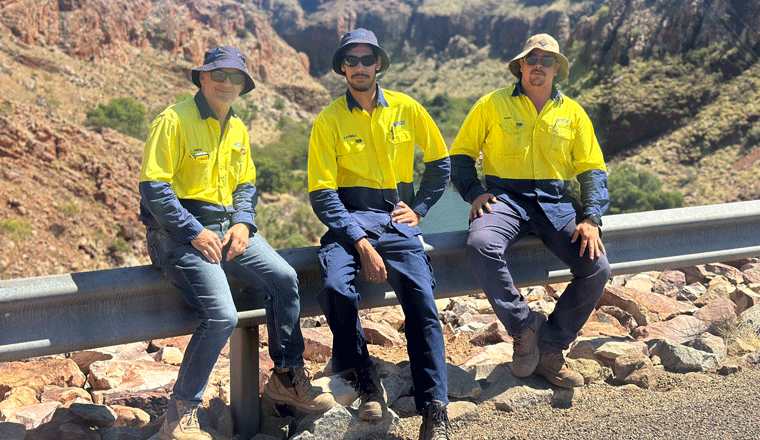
(236, 78)
(546, 60)
(366, 60)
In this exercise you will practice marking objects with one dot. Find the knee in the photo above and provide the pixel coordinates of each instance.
(477, 242)
(600, 269)
(604, 268)
(223, 320)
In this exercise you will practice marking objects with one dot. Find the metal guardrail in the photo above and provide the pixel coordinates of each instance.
(64, 313)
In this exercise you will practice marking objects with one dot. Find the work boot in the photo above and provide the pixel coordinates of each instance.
(293, 386)
(526, 354)
(372, 404)
(435, 422)
(181, 423)
(554, 368)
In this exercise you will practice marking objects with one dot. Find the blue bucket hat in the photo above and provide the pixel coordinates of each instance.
(359, 36)
(224, 57)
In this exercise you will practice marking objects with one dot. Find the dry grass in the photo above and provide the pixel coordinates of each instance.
(741, 336)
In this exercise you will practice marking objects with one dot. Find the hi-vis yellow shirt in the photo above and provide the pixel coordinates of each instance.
(362, 165)
(530, 155)
(559, 143)
(192, 173)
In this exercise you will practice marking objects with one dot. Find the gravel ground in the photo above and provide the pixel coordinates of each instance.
(683, 406)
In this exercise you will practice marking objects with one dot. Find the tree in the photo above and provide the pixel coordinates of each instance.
(632, 190)
(122, 114)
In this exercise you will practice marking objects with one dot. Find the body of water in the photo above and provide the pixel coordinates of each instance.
(451, 213)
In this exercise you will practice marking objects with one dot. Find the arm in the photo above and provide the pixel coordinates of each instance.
(161, 158)
(464, 152)
(244, 201)
(323, 184)
(437, 163)
(592, 176)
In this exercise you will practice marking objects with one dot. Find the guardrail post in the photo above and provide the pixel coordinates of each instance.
(244, 380)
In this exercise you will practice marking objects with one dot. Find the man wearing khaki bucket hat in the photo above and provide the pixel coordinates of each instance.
(535, 141)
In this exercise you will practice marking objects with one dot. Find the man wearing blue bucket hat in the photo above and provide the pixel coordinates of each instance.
(198, 199)
(361, 157)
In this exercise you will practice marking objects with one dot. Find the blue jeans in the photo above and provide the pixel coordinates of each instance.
(206, 290)
(492, 235)
(411, 277)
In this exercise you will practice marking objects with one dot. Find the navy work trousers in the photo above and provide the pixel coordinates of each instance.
(411, 277)
(491, 236)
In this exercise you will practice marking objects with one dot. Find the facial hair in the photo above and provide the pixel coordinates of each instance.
(361, 87)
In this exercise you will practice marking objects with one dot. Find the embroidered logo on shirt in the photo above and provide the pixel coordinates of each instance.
(561, 123)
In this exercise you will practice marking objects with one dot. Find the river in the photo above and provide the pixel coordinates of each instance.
(449, 214)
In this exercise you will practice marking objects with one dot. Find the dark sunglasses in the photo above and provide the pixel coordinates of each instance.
(236, 78)
(366, 60)
(546, 60)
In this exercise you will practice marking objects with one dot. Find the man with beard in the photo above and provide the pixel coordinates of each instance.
(534, 142)
(361, 158)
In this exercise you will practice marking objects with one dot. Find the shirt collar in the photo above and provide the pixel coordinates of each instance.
(205, 110)
(555, 96)
(352, 103)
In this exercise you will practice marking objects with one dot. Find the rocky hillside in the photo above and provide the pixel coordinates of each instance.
(672, 85)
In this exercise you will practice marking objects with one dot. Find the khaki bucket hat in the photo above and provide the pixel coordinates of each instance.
(545, 42)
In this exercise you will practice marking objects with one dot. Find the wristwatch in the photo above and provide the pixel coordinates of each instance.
(595, 219)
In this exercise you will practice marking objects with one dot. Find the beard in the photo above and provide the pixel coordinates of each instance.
(537, 80)
(367, 82)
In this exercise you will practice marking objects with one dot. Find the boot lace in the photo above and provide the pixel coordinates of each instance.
(364, 383)
(437, 421)
(189, 420)
(302, 381)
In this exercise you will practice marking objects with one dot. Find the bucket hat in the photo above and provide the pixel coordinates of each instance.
(359, 36)
(545, 42)
(224, 57)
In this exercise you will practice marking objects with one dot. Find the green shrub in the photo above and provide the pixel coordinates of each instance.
(17, 229)
(69, 210)
(632, 190)
(281, 165)
(122, 114)
(448, 113)
(119, 245)
(289, 230)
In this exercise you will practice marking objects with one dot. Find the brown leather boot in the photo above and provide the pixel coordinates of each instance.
(372, 394)
(181, 423)
(435, 422)
(293, 386)
(526, 353)
(554, 368)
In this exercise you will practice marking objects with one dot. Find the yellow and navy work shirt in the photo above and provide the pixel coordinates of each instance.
(530, 159)
(193, 174)
(362, 165)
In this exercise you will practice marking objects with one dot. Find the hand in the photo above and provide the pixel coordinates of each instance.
(483, 202)
(237, 235)
(589, 233)
(404, 214)
(372, 262)
(209, 246)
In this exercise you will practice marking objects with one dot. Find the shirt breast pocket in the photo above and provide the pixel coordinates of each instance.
(398, 142)
(509, 140)
(197, 169)
(557, 144)
(352, 156)
(238, 161)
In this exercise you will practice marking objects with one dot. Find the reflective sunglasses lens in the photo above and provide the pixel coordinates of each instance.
(367, 60)
(220, 76)
(546, 61)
